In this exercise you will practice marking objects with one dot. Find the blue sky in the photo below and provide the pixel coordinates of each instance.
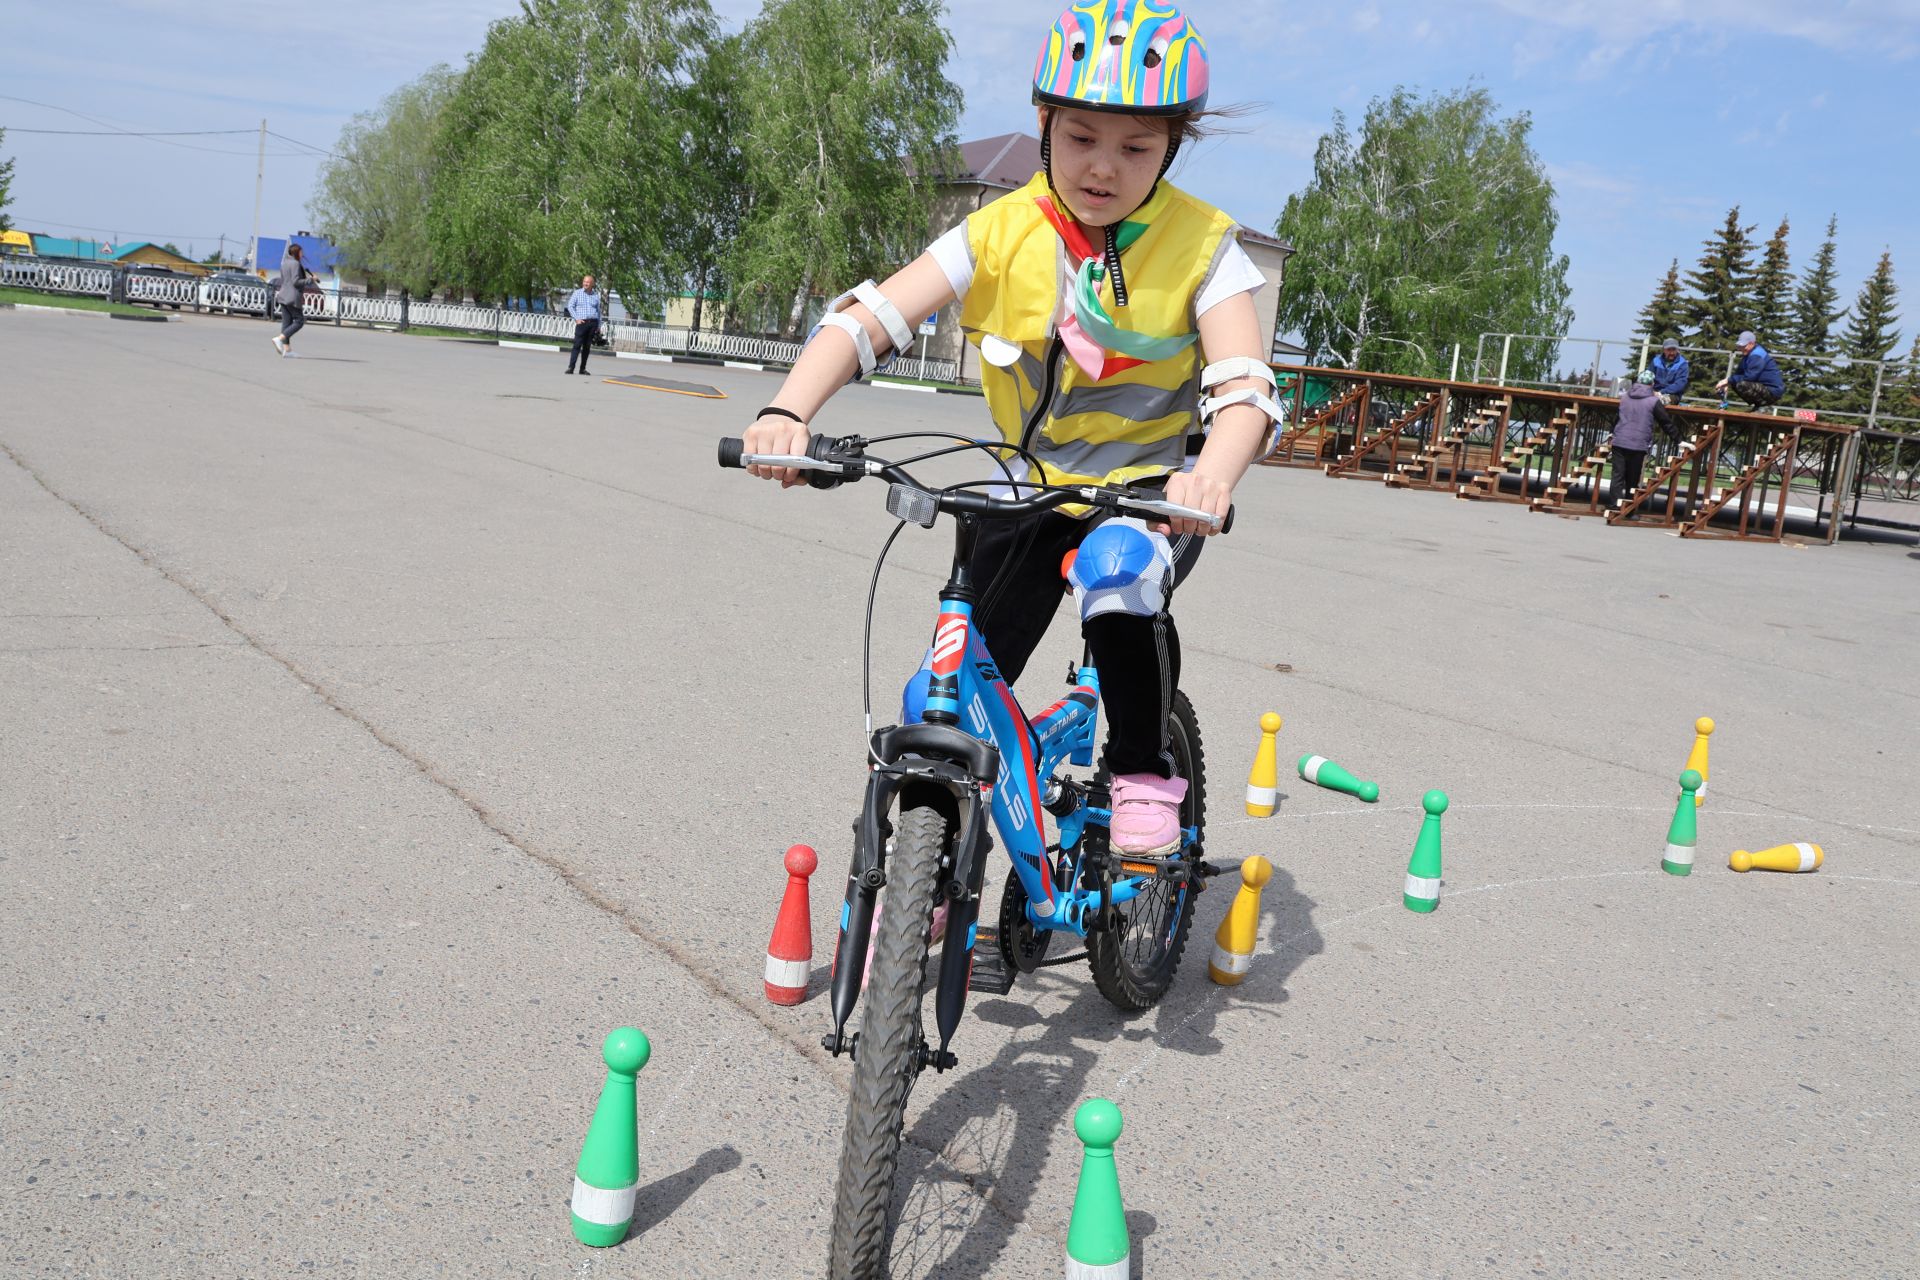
(1810, 110)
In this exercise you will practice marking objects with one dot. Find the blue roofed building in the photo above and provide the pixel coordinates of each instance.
(320, 254)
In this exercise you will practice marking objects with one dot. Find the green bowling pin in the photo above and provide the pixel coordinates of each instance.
(1684, 833)
(1422, 891)
(1097, 1243)
(1323, 772)
(608, 1175)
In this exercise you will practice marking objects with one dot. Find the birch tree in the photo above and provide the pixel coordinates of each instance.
(563, 152)
(371, 196)
(844, 115)
(1430, 227)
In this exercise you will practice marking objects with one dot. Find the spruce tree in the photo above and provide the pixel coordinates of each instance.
(1871, 335)
(1660, 319)
(1773, 293)
(1720, 301)
(1815, 315)
(1908, 405)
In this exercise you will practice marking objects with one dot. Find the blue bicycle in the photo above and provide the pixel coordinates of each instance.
(964, 751)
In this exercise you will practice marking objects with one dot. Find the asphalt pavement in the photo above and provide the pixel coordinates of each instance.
(385, 726)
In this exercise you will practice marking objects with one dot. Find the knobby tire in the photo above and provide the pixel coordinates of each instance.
(885, 1064)
(1114, 954)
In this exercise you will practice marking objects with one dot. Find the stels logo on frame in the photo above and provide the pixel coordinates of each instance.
(949, 642)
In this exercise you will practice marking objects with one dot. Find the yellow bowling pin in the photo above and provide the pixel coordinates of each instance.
(1782, 857)
(1697, 758)
(1263, 784)
(1233, 944)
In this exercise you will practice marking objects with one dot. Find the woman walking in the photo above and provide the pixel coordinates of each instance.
(293, 317)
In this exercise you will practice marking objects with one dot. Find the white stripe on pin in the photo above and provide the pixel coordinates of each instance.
(603, 1207)
(1268, 796)
(1078, 1270)
(1422, 886)
(1809, 856)
(1680, 855)
(787, 973)
(1227, 962)
(1311, 769)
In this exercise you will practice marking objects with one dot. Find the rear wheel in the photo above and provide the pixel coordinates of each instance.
(1134, 961)
(886, 1060)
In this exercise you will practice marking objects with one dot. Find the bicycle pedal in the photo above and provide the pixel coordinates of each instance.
(991, 975)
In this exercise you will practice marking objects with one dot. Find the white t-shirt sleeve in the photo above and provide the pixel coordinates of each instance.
(1234, 273)
(954, 253)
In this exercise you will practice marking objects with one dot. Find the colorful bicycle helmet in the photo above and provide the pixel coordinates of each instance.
(1143, 57)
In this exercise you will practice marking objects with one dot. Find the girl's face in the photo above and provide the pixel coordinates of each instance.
(1104, 164)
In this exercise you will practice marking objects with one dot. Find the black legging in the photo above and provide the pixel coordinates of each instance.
(293, 318)
(1138, 658)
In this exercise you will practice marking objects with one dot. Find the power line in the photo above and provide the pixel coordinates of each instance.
(162, 137)
(125, 133)
(112, 231)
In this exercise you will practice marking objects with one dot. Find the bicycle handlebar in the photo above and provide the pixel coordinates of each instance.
(830, 462)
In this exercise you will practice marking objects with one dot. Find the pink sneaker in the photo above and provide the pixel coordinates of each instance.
(1146, 813)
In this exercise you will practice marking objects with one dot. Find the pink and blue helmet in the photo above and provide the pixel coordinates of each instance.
(1142, 57)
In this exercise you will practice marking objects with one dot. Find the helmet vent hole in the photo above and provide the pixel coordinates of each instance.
(1079, 48)
(1152, 59)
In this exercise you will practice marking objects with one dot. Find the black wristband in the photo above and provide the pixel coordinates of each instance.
(783, 413)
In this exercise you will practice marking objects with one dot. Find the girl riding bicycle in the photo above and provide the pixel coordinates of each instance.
(1114, 316)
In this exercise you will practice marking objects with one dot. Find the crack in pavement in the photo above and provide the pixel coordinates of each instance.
(493, 821)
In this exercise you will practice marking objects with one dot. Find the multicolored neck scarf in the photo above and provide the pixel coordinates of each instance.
(1096, 343)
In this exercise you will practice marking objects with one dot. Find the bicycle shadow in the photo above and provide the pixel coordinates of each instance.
(957, 1212)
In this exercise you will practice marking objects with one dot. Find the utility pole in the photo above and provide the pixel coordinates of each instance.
(259, 181)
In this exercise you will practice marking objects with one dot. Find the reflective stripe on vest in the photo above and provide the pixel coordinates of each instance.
(1133, 424)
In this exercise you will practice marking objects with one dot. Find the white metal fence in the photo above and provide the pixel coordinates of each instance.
(253, 298)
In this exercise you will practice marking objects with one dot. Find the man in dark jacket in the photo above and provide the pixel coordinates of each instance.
(1756, 379)
(1671, 372)
(1640, 408)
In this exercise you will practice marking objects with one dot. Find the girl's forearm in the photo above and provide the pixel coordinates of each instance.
(1238, 434)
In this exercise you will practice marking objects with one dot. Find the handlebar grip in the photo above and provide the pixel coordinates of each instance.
(820, 449)
(731, 447)
(1226, 525)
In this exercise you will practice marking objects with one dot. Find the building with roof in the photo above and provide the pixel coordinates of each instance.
(990, 168)
(320, 254)
(61, 247)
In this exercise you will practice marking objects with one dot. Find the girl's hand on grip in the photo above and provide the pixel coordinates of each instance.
(772, 433)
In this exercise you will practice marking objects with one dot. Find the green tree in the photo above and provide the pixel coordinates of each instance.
(1719, 302)
(6, 186)
(1816, 314)
(845, 116)
(371, 196)
(1660, 318)
(1870, 335)
(562, 150)
(1908, 403)
(1772, 311)
(715, 172)
(1431, 226)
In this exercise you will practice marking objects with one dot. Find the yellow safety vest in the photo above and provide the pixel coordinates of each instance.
(1125, 427)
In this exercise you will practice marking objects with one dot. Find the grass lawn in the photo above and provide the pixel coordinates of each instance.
(34, 298)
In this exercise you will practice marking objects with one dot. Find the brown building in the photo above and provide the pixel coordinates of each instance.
(991, 167)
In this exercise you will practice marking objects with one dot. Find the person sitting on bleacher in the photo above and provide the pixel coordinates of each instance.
(1671, 372)
(1756, 379)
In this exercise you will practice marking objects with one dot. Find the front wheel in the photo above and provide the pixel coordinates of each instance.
(886, 1059)
(1134, 961)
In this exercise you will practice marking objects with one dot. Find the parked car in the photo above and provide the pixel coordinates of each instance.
(227, 276)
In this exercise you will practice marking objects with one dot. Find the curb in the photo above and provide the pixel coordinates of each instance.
(57, 311)
(528, 346)
(900, 386)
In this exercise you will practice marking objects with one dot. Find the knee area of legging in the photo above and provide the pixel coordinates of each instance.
(1121, 567)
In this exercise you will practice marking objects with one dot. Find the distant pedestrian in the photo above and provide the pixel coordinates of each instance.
(1671, 372)
(583, 304)
(1640, 408)
(1756, 379)
(293, 315)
